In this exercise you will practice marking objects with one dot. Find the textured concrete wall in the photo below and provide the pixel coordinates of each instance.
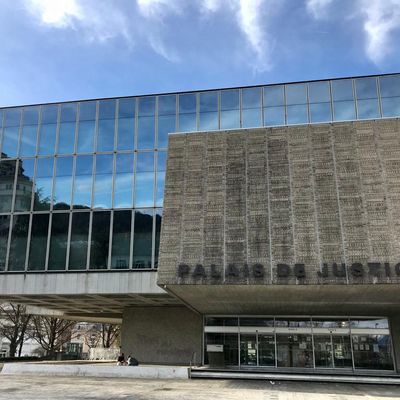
(162, 335)
(309, 194)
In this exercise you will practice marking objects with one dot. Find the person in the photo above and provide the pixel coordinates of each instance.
(121, 359)
(132, 361)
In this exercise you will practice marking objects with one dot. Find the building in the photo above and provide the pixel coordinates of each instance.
(280, 209)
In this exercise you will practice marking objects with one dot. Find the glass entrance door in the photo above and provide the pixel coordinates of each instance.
(266, 350)
(248, 350)
(332, 351)
(323, 351)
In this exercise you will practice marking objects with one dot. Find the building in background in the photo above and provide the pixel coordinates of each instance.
(275, 244)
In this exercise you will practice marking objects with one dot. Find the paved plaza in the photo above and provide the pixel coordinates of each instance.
(71, 388)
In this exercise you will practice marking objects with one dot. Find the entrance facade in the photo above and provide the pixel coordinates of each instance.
(332, 343)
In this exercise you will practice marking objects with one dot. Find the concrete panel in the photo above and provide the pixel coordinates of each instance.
(162, 335)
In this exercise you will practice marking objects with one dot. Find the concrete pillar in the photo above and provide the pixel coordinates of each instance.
(394, 322)
(162, 335)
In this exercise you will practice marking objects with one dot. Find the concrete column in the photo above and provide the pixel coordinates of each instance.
(394, 322)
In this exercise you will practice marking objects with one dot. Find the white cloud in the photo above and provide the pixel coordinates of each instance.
(381, 20)
(160, 8)
(318, 8)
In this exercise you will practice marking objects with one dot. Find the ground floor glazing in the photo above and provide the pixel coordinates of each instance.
(336, 343)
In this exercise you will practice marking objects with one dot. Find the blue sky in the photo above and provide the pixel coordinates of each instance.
(56, 50)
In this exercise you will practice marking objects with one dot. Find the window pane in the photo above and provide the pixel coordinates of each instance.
(23, 195)
(123, 190)
(126, 124)
(58, 241)
(390, 86)
(318, 92)
(251, 98)
(145, 136)
(368, 108)
(274, 96)
(83, 182)
(160, 188)
(48, 129)
(12, 120)
(372, 352)
(19, 239)
(103, 181)
(208, 121)
(187, 103)
(121, 243)
(187, 122)
(142, 240)
(391, 106)
(167, 105)
(166, 125)
(374, 323)
(366, 88)
(100, 240)
(147, 106)
(320, 112)
(79, 240)
(344, 110)
(43, 184)
(208, 102)
(4, 228)
(230, 119)
(38, 244)
(87, 116)
(342, 90)
(296, 94)
(7, 177)
(144, 189)
(29, 132)
(157, 239)
(230, 99)
(66, 136)
(297, 114)
(63, 183)
(251, 118)
(105, 137)
(274, 116)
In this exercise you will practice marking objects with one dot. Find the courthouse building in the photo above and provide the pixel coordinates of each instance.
(253, 228)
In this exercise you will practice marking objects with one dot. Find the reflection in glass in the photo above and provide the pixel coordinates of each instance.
(79, 240)
(62, 183)
(38, 244)
(144, 180)
(371, 323)
(256, 321)
(296, 93)
(147, 106)
(208, 121)
(342, 357)
(221, 321)
(23, 195)
(344, 110)
(58, 241)
(366, 88)
(161, 167)
(19, 239)
(274, 96)
(167, 105)
(87, 117)
(126, 124)
(48, 129)
(7, 178)
(323, 351)
(166, 125)
(100, 240)
(391, 106)
(297, 114)
(187, 112)
(342, 90)
(145, 134)
(368, 108)
(230, 346)
(274, 116)
(248, 349)
(318, 92)
(43, 184)
(12, 119)
(105, 136)
(294, 351)
(209, 111)
(187, 122)
(372, 352)
(320, 112)
(230, 114)
(103, 181)
(66, 135)
(390, 86)
(142, 239)
(157, 236)
(230, 119)
(251, 98)
(121, 242)
(83, 182)
(4, 228)
(251, 118)
(266, 350)
(123, 182)
(29, 132)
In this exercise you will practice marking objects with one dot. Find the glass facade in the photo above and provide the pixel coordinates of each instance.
(82, 183)
(309, 342)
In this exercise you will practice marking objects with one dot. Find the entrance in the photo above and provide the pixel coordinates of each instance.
(257, 350)
(332, 351)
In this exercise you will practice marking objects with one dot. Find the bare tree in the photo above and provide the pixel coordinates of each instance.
(92, 337)
(110, 334)
(14, 325)
(52, 333)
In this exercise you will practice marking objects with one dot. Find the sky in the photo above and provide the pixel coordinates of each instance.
(60, 50)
